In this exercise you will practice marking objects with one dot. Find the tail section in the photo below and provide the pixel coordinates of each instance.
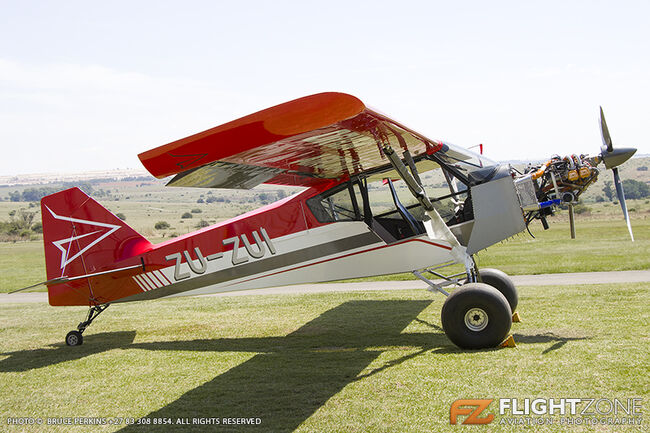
(82, 237)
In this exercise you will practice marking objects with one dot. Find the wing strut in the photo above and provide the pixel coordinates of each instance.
(435, 226)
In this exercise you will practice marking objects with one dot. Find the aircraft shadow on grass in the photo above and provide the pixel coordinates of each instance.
(292, 376)
(25, 360)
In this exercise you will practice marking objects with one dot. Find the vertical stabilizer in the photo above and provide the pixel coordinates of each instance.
(82, 237)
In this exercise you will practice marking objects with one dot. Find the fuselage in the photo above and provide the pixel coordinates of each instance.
(279, 244)
(282, 243)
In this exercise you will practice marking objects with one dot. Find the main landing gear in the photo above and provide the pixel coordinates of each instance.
(503, 283)
(476, 316)
(75, 338)
(479, 313)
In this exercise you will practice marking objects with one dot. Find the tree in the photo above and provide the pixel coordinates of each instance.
(23, 219)
(121, 216)
(20, 224)
(35, 194)
(201, 224)
(607, 189)
(635, 189)
(186, 215)
(161, 225)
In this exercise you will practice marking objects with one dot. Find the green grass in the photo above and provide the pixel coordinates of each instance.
(355, 362)
(600, 245)
(22, 264)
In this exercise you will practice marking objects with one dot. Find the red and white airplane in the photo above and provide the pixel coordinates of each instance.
(353, 218)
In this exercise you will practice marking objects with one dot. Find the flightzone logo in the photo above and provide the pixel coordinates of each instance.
(472, 409)
(548, 411)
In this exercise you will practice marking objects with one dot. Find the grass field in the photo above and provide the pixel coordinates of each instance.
(354, 362)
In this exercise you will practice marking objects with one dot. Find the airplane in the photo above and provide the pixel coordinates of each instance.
(377, 198)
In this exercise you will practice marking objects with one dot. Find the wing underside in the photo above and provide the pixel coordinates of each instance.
(327, 136)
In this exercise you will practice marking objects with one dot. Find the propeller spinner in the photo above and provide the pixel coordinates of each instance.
(612, 159)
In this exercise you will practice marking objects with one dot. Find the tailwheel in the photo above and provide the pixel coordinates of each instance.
(476, 316)
(74, 338)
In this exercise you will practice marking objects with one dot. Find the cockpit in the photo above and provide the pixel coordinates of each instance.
(384, 202)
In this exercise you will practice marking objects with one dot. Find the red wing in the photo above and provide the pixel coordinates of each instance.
(322, 136)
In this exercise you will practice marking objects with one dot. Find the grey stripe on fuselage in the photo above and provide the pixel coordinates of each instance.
(257, 267)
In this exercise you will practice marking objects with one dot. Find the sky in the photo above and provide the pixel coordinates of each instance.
(87, 85)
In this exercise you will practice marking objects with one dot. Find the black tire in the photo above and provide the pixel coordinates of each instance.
(74, 338)
(503, 283)
(490, 324)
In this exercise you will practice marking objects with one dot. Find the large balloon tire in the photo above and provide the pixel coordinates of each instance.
(503, 283)
(476, 316)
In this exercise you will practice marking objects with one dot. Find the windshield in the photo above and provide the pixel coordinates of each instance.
(462, 159)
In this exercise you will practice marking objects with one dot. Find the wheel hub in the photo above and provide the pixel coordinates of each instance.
(476, 319)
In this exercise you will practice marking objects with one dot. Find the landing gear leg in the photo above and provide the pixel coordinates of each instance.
(75, 338)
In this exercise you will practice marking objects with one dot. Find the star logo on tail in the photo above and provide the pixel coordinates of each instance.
(65, 251)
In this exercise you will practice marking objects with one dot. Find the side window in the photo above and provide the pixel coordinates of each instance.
(455, 207)
(335, 205)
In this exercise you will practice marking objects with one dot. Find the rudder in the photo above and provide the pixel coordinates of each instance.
(81, 237)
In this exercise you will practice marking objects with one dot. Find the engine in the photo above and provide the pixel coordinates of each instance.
(564, 178)
(558, 180)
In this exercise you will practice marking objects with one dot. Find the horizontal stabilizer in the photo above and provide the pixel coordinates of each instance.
(67, 279)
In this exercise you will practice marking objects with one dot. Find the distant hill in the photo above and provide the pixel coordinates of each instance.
(45, 178)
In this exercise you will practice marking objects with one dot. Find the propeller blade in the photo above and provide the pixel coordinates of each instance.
(604, 132)
(621, 199)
